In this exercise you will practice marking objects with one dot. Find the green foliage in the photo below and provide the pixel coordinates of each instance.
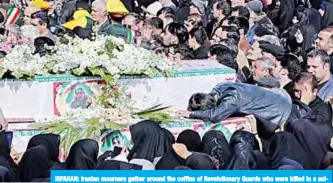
(157, 114)
(71, 134)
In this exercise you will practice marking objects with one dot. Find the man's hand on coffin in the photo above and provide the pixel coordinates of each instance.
(183, 113)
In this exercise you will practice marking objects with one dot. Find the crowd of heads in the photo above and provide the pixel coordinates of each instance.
(282, 46)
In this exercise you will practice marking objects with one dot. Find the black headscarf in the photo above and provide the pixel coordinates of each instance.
(243, 157)
(200, 161)
(216, 145)
(191, 139)
(310, 139)
(150, 141)
(82, 155)
(314, 18)
(327, 19)
(4, 146)
(286, 14)
(4, 174)
(309, 36)
(246, 154)
(5, 159)
(182, 11)
(284, 145)
(327, 160)
(50, 141)
(34, 164)
(240, 136)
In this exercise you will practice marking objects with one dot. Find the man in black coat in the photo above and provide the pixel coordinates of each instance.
(306, 92)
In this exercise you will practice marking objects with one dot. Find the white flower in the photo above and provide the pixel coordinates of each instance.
(85, 54)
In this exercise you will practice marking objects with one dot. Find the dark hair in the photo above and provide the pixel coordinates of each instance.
(157, 22)
(300, 14)
(319, 53)
(197, 19)
(242, 11)
(226, 57)
(235, 36)
(184, 52)
(233, 20)
(292, 64)
(178, 30)
(225, 6)
(307, 77)
(154, 22)
(40, 43)
(199, 34)
(82, 5)
(201, 101)
(230, 29)
(244, 24)
(165, 10)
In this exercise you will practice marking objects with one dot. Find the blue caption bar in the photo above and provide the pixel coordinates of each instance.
(235, 176)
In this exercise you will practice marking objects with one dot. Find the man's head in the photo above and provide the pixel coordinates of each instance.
(40, 20)
(28, 12)
(201, 101)
(287, 68)
(197, 37)
(324, 40)
(318, 64)
(224, 55)
(131, 21)
(307, 80)
(192, 21)
(99, 12)
(174, 33)
(154, 24)
(241, 11)
(221, 9)
(262, 67)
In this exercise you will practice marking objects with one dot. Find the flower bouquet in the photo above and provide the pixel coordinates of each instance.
(106, 56)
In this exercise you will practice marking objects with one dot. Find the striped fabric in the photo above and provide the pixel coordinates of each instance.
(15, 16)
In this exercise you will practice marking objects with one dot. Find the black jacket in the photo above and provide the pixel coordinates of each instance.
(321, 112)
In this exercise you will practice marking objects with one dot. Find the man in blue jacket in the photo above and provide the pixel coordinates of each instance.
(227, 99)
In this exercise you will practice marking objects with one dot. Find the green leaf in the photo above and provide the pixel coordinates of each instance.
(112, 125)
(97, 71)
(78, 71)
(159, 117)
(108, 78)
(152, 109)
(2, 71)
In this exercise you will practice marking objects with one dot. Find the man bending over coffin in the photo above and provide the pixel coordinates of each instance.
(269, 106)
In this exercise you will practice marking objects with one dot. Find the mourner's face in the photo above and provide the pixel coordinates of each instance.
(168, 38)
(323, 40)
(299, 37)
(317, 68)
(300, 86)
(258, 70)
(98, 12)
(28, 12)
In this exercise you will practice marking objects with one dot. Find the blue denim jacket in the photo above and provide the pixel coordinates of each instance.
(327, 90)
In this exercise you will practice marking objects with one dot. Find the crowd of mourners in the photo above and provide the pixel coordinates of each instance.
(281, 51)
